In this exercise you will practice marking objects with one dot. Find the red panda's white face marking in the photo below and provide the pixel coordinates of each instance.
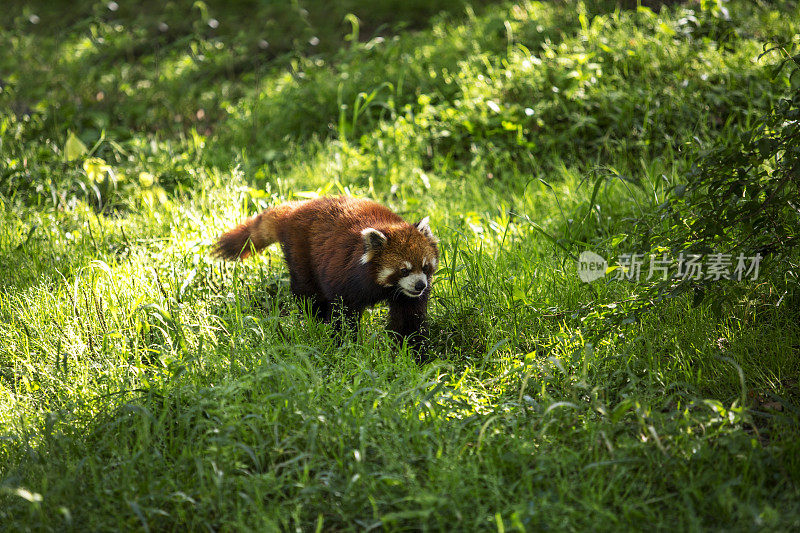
(410, 275)
(411, 281)
(429, 261)
(383, 276)
(413, 284)
(403, 257)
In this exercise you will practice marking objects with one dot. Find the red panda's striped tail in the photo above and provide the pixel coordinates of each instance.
(254, 234)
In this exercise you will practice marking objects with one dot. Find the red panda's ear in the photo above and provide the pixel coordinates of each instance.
(424, 227)
(373, 242)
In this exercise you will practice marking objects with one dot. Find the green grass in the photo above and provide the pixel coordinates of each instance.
(144, 385)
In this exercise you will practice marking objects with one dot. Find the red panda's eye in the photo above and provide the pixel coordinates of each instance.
(405, 271)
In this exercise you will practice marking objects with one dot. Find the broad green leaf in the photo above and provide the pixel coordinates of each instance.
(74, 148)
(618, 239)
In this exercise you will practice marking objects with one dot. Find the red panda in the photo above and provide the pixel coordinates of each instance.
(347, 252)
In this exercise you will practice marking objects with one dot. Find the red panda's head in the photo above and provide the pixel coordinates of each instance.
(402, 256)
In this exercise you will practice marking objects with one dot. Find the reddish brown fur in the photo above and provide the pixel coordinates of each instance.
(324, 248)
(256, 232)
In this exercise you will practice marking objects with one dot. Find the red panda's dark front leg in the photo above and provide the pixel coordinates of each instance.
(307, 291)
(321, 309)
(407, 318)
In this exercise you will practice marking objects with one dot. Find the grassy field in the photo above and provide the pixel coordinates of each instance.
(146, 386)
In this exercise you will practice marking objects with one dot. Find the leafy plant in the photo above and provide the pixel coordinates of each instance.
(740, 200)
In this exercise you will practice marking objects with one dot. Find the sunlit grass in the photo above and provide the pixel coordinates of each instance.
(144, 385)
